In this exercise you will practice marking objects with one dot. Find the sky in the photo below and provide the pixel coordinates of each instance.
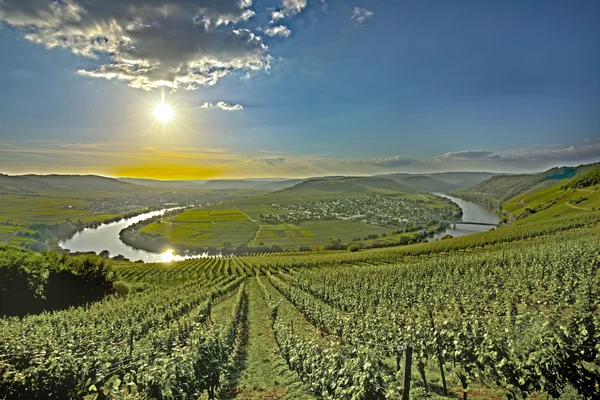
(297, 88)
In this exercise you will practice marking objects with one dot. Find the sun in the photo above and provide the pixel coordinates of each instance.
(163, 112)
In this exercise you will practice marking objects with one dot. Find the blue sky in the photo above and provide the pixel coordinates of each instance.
(342, 87)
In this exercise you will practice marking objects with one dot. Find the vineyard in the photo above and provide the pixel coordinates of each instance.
(507, 313)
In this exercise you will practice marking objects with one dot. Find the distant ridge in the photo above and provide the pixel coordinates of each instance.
(439, 182)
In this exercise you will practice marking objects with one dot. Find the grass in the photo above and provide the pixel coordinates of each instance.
(266, 375)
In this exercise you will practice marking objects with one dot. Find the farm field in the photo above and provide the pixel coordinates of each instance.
(214, 232)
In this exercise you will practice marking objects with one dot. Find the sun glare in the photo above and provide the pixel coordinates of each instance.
(163, 112)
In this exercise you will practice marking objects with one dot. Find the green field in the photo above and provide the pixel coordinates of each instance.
(195, 228)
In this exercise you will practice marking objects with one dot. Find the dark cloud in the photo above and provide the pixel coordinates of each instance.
(468, 155)
(527, 156)
(272, 160)
(149, 43)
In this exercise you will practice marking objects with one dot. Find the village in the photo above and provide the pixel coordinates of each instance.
(375, 210)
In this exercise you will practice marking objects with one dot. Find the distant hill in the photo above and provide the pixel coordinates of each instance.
(423, 183)
(439, 182)
(498, 189)
(341, 187)
(462, 179)
(57, 184)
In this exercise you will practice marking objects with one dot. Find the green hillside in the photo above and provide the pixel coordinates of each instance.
(424, 183)
(548, 203)
(497, 190)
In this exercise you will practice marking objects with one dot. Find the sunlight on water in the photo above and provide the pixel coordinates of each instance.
(168, 256)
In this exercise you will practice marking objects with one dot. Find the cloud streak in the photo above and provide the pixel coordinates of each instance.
(148, 43)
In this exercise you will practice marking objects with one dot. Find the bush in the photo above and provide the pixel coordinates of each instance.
(354, 247)
(31, 283)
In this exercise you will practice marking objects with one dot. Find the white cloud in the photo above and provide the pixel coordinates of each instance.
(223, 106)
(288, 8)
(359, 15)
(278, 30)
(149, 43)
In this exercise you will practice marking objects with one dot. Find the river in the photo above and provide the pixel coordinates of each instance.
(106, 237)
(471, 213)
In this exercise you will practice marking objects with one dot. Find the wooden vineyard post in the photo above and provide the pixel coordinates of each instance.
(406, 372)
(131, 343)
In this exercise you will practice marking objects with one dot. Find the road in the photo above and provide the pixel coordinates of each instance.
(253, 243)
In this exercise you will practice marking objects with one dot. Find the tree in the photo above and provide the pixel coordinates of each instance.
(242, 248)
